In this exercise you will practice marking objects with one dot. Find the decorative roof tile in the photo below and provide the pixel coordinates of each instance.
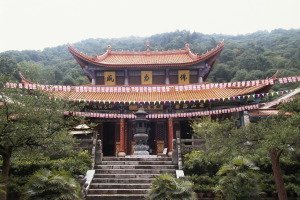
(172, 95)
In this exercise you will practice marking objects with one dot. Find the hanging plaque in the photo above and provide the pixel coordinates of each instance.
(146, 77)
(183, 76)
(109, 78)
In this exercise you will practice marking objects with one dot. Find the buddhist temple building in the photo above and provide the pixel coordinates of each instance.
(171, 87)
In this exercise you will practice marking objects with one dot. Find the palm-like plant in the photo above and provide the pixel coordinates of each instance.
(165, 187)
(239, 180)
(56, 185)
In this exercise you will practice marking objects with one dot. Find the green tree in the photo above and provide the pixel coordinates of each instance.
(33, 71)
(56, 185)
(29, 120)
(8, 69)
(238, 180)
(166, 187)
(273, 135)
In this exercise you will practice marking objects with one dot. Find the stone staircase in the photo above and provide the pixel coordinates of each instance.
(127, 178)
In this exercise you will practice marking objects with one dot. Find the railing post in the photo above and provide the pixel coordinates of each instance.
(179, 153)
(99, 154)
(174, 152)
(94, 148)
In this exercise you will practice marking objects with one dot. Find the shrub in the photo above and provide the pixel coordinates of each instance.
(166, 187)
(196, 163)
(238, 180)
(77, 164)
(52, 185)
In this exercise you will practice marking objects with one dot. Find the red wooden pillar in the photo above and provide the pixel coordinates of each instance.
(122, 139)
(126, 137)
(170, 136)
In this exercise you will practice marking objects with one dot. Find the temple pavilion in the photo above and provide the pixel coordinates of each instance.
(169, 85)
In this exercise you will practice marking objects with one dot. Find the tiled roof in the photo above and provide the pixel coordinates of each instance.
(147, 58)
(265, 112)
(172, 95)
(140, 59)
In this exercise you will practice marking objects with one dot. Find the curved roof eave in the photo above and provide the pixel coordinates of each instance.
(84, 59)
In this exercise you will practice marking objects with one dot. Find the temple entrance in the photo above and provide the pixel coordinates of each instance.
(109, 139)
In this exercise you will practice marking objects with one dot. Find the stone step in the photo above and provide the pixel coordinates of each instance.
(137, 162)
(119, 186)
(134, 171)
(115, 197)
(127, 180)
(136, 159)
(135, 167)
(117, 191)
(126, 176)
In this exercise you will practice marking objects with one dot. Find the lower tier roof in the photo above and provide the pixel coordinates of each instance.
(166, 96)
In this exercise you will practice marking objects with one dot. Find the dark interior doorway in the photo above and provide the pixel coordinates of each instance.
(151, 137)
(186, 130)
(109, 139)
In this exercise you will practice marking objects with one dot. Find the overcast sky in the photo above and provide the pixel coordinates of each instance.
(36, 24)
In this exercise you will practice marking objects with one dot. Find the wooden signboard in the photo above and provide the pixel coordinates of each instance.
(183, 76)
(146, 77)
(109, 78)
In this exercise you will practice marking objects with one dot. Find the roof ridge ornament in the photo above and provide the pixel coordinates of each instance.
(187, 47)
(109, 49)
(148, 47)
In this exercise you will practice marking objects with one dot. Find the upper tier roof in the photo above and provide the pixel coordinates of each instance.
(173, 58)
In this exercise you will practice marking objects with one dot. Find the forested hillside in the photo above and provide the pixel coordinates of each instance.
(245, 57)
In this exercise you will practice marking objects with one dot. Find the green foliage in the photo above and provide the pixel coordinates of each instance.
(8, 69)
(52, 185)
(166, 186)
(29, 120)
(223, 138)
(1, 186)
(77, 164)
(293, 106)
(25, 163)
(220, 137)
(203, 183)
(291, 187)
(36, 72)
(266, 183)
(276, 136)
(197, 163)
(274, 133)
(238, 180)
(201, 169)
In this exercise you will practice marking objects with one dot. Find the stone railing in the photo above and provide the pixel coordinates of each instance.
(176, 153)
(189, 145)
(184, 146)
(97, 155)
